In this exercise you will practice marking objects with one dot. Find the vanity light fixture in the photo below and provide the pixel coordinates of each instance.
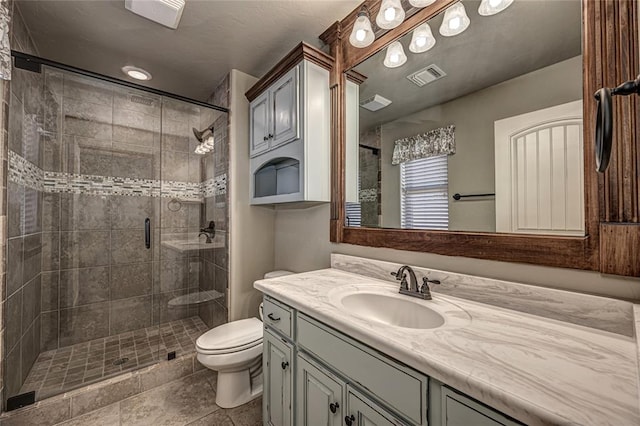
(491, 7)
(421, 3)
(395, 56)
(391, 14)
(422, 39)
(137, 73)
(455, 20)
(362, 33)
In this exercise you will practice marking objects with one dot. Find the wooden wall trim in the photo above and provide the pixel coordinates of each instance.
(300, 52)
(610, 56)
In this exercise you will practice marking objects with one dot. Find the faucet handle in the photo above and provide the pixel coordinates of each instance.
(425, 284)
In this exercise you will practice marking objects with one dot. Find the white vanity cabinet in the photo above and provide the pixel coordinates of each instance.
(290, 138)
(321, 377)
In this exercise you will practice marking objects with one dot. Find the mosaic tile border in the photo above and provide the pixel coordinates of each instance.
(368, 195)
(23, 172)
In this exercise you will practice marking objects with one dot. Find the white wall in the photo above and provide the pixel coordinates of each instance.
(252, 228)
(302, 244)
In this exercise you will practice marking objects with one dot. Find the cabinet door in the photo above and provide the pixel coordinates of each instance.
(277, 392)
(363, 412)
(259, 124)
(284, 99)
(319, 396)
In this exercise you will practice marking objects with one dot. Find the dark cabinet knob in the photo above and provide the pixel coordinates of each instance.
(334, 407)
(285, 364)
(270, 136)
(265, 138)
(272, 318)
(349, 420)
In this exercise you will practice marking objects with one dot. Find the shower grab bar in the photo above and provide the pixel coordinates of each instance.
(147, 233)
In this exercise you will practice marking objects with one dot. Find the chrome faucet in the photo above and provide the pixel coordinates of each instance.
(411, 288)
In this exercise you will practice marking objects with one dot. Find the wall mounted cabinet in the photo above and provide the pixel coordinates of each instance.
(289, 130)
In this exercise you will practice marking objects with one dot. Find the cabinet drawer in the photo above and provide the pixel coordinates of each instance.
(277, 316)
(403, 390)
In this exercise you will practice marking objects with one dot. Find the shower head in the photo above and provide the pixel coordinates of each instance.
(200, 134)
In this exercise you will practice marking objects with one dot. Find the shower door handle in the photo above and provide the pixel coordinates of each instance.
(147, 233)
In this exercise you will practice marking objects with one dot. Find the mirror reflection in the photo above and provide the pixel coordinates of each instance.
(480, 130)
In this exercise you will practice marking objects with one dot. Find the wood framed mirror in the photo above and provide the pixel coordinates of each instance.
(610, 238)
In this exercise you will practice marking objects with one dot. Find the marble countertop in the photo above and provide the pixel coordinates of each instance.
(539, 371)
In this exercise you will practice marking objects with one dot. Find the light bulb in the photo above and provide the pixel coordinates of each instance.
(455, 20)
(491, 7)
(390, 15)
(137, 73)
(395, 56)
(362, 33)
(422, 39)
(209, 142)
(421, 3)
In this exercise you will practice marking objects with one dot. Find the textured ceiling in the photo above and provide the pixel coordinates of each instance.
(529, 35)
(213, 37)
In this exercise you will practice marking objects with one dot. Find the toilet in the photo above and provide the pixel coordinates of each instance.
(234, 350)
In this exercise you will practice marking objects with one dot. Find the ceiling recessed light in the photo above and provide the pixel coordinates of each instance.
(137, 73)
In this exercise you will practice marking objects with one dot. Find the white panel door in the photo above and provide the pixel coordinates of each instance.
(540, 173)
(259, 124)
(284, 99)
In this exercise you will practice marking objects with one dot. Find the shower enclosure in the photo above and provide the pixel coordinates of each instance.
(106, 199)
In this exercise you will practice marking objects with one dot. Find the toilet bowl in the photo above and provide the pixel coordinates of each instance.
(234, 350)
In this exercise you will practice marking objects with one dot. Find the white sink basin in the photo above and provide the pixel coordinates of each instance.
(392, 310)
(383, 304)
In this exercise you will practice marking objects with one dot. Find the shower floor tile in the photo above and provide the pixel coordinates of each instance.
(64, 369)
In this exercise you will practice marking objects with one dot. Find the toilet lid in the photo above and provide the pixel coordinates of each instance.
(231, 337)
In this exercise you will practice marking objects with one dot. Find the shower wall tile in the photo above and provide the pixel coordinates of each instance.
(81, 249)
(15, 122)
(13, 372)
(84, 212)
(87, 90)
(132, 136)
(29, 349)
(131, 280)
(174, 275)
(15, 210)
(49, 330)
(136, 120)
(175, 166)
(130, 314)
(87, 156)
(50, 212)
(50, 291)
(84, 286)
(130, 212)
(15, 252)
(13, 326)
(50, 251)
(31, 302)
(195, 168)
(87, 119)
(84, 323)
(52, 150)
(135, 162)
(128, 246)
(32, 259)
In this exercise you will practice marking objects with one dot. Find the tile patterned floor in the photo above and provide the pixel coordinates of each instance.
(189, 401)
(67, 368)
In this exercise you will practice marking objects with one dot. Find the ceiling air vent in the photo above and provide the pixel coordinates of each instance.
(164, 12)
(375, 103)
(427, 75)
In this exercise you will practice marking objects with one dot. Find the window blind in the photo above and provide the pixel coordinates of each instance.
(424, 197)
(353, 214)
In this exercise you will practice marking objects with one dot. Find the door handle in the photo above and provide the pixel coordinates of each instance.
(147, 233)
(272, 318)
(334, 407)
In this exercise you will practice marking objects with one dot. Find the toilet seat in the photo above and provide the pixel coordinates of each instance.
(230, 338)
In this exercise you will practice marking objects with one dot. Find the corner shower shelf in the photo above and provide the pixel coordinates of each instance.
(197, 298)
